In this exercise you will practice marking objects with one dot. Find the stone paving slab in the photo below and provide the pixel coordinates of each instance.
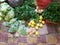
(52, 38)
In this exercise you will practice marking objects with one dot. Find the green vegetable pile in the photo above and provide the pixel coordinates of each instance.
(52, 12)
(26, 11)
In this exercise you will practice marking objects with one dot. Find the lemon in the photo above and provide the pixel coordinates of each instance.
(32, 22)
(40, 17)
(41, 25)
(32, 25)
(40, 20)
(36, 33)
(38, 24)
(36, 27)
(29, 24)
(43, 22)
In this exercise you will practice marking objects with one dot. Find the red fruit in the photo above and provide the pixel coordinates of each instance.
(42, 3)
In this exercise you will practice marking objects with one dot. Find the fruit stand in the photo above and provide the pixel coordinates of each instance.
(28, 18)
(29, 22)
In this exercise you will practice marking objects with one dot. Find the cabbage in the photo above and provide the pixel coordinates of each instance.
(13, 20)
(0, 18)
(4, 7)
(9, 15)
(1, 14)
(14, 27)
(6, 24)
(2, 0)
(6, 12)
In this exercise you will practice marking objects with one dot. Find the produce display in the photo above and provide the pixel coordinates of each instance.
(17, 18)
(22, 18)
(38, 24)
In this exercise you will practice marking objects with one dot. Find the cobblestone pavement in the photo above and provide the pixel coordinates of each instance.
(50, 39)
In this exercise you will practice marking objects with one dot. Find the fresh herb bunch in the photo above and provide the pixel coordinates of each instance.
(52, 12)
(26, 11)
